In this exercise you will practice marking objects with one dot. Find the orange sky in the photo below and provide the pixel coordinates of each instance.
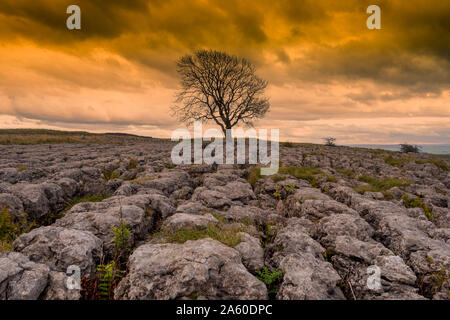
(328, 74)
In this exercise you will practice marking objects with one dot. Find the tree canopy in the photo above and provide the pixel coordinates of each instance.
(219, 87)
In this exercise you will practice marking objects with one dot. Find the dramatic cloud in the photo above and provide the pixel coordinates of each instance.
(326, 70)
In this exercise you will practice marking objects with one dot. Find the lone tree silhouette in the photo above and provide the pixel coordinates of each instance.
(404, 147)
(219, 87)
(330, 141)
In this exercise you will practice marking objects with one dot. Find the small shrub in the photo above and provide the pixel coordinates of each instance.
(21, 168)
(418, 203)
(10, 229)
(109, 174)
(406, 148)
(254, 175)
(132, 164)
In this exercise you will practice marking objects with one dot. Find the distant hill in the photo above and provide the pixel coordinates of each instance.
(436, 149)
(45, 136)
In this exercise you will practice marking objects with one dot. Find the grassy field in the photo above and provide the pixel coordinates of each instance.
(43, 136)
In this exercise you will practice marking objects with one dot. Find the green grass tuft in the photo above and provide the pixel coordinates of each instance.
(347, 172)
(278, 178)
(441, 164)
(305, 173)
(379, 185)
(229, 236)
(396, 162)
(87, 198)
(140, 180)
(418, 203)
(11, 229)
(110, 174)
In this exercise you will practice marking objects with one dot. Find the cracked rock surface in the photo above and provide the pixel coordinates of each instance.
(325, 222)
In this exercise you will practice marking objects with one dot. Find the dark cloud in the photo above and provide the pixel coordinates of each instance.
(412, 49)
(355, 60)
(318, 56)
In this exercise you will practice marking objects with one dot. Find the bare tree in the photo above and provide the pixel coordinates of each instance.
(330, 141)
(221, 88)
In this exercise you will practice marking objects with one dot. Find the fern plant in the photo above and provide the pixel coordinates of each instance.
(270, 279)
(108, 275)
(121, 241)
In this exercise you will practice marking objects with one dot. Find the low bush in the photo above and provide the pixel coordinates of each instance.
(254, 175)
(109, 174)
(406, 148)
(11, 229)
(132, 164)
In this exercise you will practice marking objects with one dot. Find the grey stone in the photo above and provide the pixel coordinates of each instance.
(172, 271)
(59, 248)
